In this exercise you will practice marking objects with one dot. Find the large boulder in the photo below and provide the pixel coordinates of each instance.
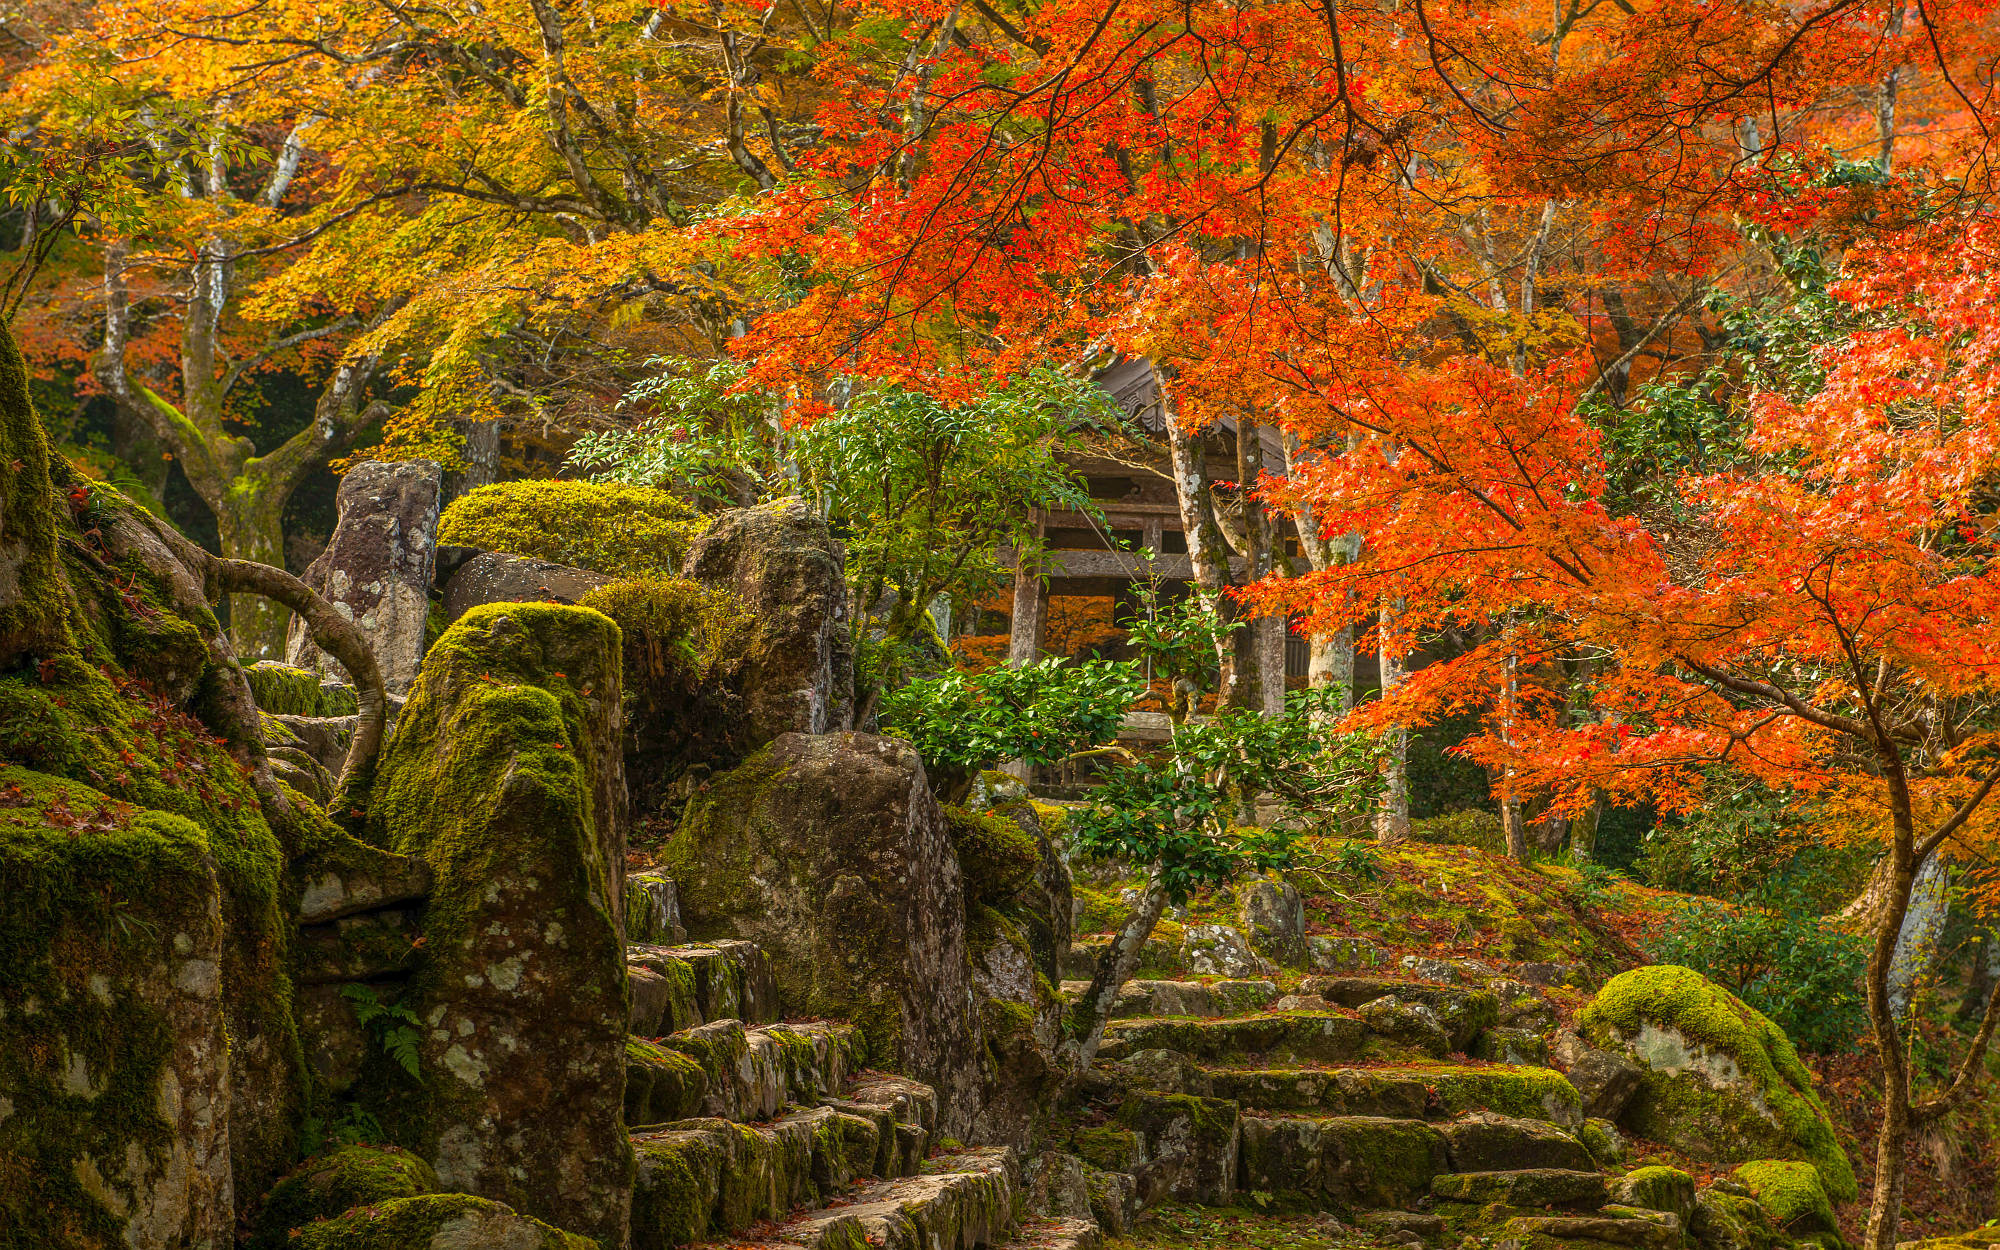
(498, 578)
(377, 568)
(783, 563)
(830, 854)
(505, 774)
(1719, 1080)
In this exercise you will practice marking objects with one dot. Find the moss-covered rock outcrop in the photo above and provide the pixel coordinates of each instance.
(781, 561)
(505, 774)
(829, 852)
(34, 602)
(1721, 1081)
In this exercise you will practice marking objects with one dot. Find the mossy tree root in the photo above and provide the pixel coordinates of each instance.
(339, 638)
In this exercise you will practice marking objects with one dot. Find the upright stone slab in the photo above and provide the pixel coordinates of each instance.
(782, 561)
(830, 854)
(505, 774)
(377, 567)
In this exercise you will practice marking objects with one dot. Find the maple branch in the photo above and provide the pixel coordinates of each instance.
(1961, 815)
(1776, 694)
(1659, 324)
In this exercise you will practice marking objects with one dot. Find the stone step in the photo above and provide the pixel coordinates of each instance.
(731, 1072)
(711, 1177)
(1525, 1187)
(679, 987)
(1184, 998)
(1409, 1090)
(965, 1203)
(1302, 1035)
(1350, 1162)
(1057, 1234)
(1653, 1230)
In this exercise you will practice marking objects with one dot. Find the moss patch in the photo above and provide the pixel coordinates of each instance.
(335, 1183)
(1791, 1193)
(626, 531)
(414, 1223)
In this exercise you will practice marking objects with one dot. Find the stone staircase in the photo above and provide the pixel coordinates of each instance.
(1415, 1105)
(749, 1131)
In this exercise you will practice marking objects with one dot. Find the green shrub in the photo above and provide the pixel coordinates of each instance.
(626, 531)
(1471, 827)
(1779, 956)
(675, 629)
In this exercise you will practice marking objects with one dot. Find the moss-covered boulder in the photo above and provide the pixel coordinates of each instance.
(829, 853)
(505, 775)
(336, 1182)
(619, 531)
(1792, 1193)
(780, 560)
(436, 1222)
(1657, 1188)
(1187, 1146)
(1720, 1081)
(114, 1073)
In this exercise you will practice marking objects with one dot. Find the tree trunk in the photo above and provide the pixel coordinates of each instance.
(1332, 664)
(1885, 1208)
(1260, 647)
(1392, 822)
(1208, 552)
(1114, 968)
(1583, 831)
(249, 521)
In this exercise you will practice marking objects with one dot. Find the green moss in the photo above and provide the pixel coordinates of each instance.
(413, 1223)
(997, 857)
(672, 1200)
(662, 1084)
(331, 1184)
(1681, 1109)
(1473, 827)
(1109, 1147)
(1791, 1193)
(1097, 911)
(282, 689)
(630, 531)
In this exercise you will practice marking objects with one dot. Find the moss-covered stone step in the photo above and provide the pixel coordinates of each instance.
(1660, 1232)
(1524, 1187)
(1363, 1162)
(1321, 1035)
(1184, 998)
(967, 1202)
(710, 1177)
(678, 987)
(1412, 1091)
(734, 1073)
(1462, 1011)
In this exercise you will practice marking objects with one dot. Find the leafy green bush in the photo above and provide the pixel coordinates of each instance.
(626, 531)
(1042, 713)
(1779, 956)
